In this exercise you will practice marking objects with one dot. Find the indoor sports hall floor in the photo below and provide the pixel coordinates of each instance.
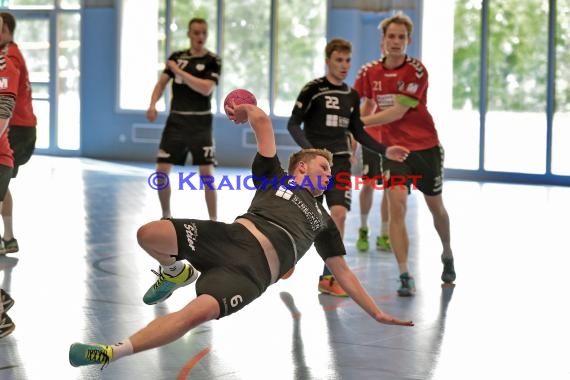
(80, 276)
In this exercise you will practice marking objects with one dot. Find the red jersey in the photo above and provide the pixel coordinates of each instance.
(375, 132)
(9, 77)
(23, 115)
(416, 129)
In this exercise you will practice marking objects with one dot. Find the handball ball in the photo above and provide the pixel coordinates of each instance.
(240, 96)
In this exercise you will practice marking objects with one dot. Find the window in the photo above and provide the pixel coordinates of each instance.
(68, 135)
(247, 48)
(136, 68)
(22, 4)
(561, 122)
(275, 73)
(451, 41)
(301, 40)
(517, 79)
(512, 73)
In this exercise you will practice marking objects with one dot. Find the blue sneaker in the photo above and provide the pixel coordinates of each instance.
(165, 285)
(408, 286)
(448, 274)
(86, 354)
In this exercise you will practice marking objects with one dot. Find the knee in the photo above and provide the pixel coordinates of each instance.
(397, 210)
(367, 190)
(145, 234)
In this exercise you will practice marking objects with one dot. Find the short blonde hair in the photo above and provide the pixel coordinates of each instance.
(398, 18)
(307, 155)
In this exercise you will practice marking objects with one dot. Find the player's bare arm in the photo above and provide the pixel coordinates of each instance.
(352, 285)
(260, 123)
(396, 112)
(202, 86)
(157, 92)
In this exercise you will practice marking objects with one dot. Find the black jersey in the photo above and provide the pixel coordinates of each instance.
(327, 111)
(185, 99)
(291, 218)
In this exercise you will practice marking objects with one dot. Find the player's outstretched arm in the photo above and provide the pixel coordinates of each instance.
(350, 283)
(260, 123)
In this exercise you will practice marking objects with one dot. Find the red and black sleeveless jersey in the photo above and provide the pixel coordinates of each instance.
(9, 77)
(416, 129)
(23, 115)
(290, 217)
(327, 111)
(185, 99)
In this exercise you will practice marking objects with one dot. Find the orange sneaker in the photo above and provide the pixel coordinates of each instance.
(328, 285)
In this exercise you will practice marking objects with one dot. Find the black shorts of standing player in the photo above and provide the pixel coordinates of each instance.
(338, 194)
(372, 165)
(5, 176)
(23, 144)
(233, 267)
(185, 134)
(422, 169)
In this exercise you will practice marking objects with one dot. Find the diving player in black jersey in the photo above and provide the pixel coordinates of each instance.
(329, 110)
(194, 73)
(238, 261)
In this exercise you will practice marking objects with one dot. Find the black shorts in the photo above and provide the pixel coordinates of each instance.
(234, 269)
(372, 164)
(23, 143)
(5, 176)
(339, 194)
(423, 169)
(185, 134)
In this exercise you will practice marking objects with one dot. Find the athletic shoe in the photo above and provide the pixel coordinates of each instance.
(362, 242)
(10, 246)
(383, 243)
(86, 354)
(6, 325)
(7, 301)
(328, 285)
(408, 287)
(165, 285)
(448, 274)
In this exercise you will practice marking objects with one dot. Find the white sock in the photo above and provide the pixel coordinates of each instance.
(173, 269)
(363, 220)
(122, 348)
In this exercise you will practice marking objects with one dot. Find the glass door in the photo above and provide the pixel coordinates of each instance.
(32, 36)
(54, 75)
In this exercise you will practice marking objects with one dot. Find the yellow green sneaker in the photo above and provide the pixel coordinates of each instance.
(383, 243)
(165, 285)
(86, 354)
(362, 242)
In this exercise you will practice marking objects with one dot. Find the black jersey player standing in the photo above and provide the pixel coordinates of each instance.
(329, 110)
(194, 73)
(239, 260)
